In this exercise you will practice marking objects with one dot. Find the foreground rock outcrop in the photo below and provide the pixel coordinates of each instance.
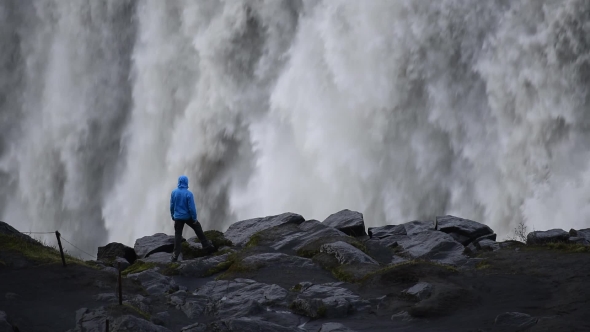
(285, 273)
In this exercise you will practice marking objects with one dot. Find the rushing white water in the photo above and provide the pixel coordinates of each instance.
(399, 109)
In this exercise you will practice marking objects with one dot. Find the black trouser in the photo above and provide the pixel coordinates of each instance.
(179, 226)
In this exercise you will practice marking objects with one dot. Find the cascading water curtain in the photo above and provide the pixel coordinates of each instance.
(401, 110)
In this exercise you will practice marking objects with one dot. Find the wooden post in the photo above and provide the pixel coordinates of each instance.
(107, 325)
(120, 286)
(61, 249)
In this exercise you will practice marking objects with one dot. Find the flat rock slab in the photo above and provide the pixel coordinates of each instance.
(240, 232)
(552, 235)
(463, 230)
(417, 227)
(346, 253)
(297, 237)
(158, 258)
(487, 245)
(515, 321)
(114, 250)
(154, 283)
(385, 231)
(349, 222)
(436, 246)
(278, 260)
(158, 242)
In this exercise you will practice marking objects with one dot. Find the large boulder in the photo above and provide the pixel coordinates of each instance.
(417, 226)
(346, 253)
(462, 230)
(552, 235)
(581, 233)
(436, 246)
(202, 267)
(240, 232)
(349, 222)
(6, 229)
(158, 242)
(290, 238)
(113, 250)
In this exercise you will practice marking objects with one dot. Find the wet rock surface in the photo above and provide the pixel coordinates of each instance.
(295, 275)
(550, 236)
(349, 222)
(158, 242)
(240, 232)
(115, 250)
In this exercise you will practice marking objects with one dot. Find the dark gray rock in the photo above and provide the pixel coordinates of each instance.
(463, 230)
(579, 240)
(161, 258)
(328, 300)
(195, 306)
(485, 237)
(552, 235)
(129, 323)
(240, 232)
(121, 262)
(349, 222)
(149, 245)
(196, 327)
(4, 325)
(583, 233)
(154, 283)
(515, 321)
(334, 327)
(90, 320)
(297, 237)
(247, 324)
(420, 291)
(416, 227)
(161, 318)
(487, 245)
(346, 253)
(201, 267)
(385, 231)
(6, 229)
(242, 297)
(436, 246)
(395, 241)
(113, 250)
(278, 260)
(402, 316)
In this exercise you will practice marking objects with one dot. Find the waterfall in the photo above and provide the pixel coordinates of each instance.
(401, 110)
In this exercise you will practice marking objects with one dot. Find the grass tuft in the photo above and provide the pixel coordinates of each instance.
(254, 240)
(36, 252)
(482, 265)
(568, 247)
(137, 267)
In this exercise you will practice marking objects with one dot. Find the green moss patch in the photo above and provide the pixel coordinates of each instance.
(408, 272)
(35, 251)
(137, 267)
(567, 247)
(217, 238)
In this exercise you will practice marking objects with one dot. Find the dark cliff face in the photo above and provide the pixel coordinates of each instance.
(292, 274)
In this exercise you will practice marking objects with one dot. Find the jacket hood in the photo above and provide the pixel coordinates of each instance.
(182, 182)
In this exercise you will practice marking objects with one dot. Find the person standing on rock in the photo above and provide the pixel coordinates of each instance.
(184, 211)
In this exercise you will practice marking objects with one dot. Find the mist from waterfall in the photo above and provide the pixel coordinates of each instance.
(401, 110)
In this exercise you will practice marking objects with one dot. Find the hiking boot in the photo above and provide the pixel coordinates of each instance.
(209, 248)
(173, 259)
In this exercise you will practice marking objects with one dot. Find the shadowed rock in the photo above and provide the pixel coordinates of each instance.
(349, 222)
(240, 232)
(487, 245)
(201, 267)
(417, 227)
(421, 290)
(248, 324)
(196, 327)
(158, 242)
(113, 250)
(347, 254)
(552, 235)
(581, 233)
(6, 229)
(278, 260)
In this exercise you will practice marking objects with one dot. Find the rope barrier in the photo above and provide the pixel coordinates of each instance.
(77, 247)
(38, 232)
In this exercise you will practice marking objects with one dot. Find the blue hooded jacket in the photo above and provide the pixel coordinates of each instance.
(182, 202)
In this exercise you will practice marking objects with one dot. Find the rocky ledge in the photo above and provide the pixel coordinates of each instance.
(286, 273)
